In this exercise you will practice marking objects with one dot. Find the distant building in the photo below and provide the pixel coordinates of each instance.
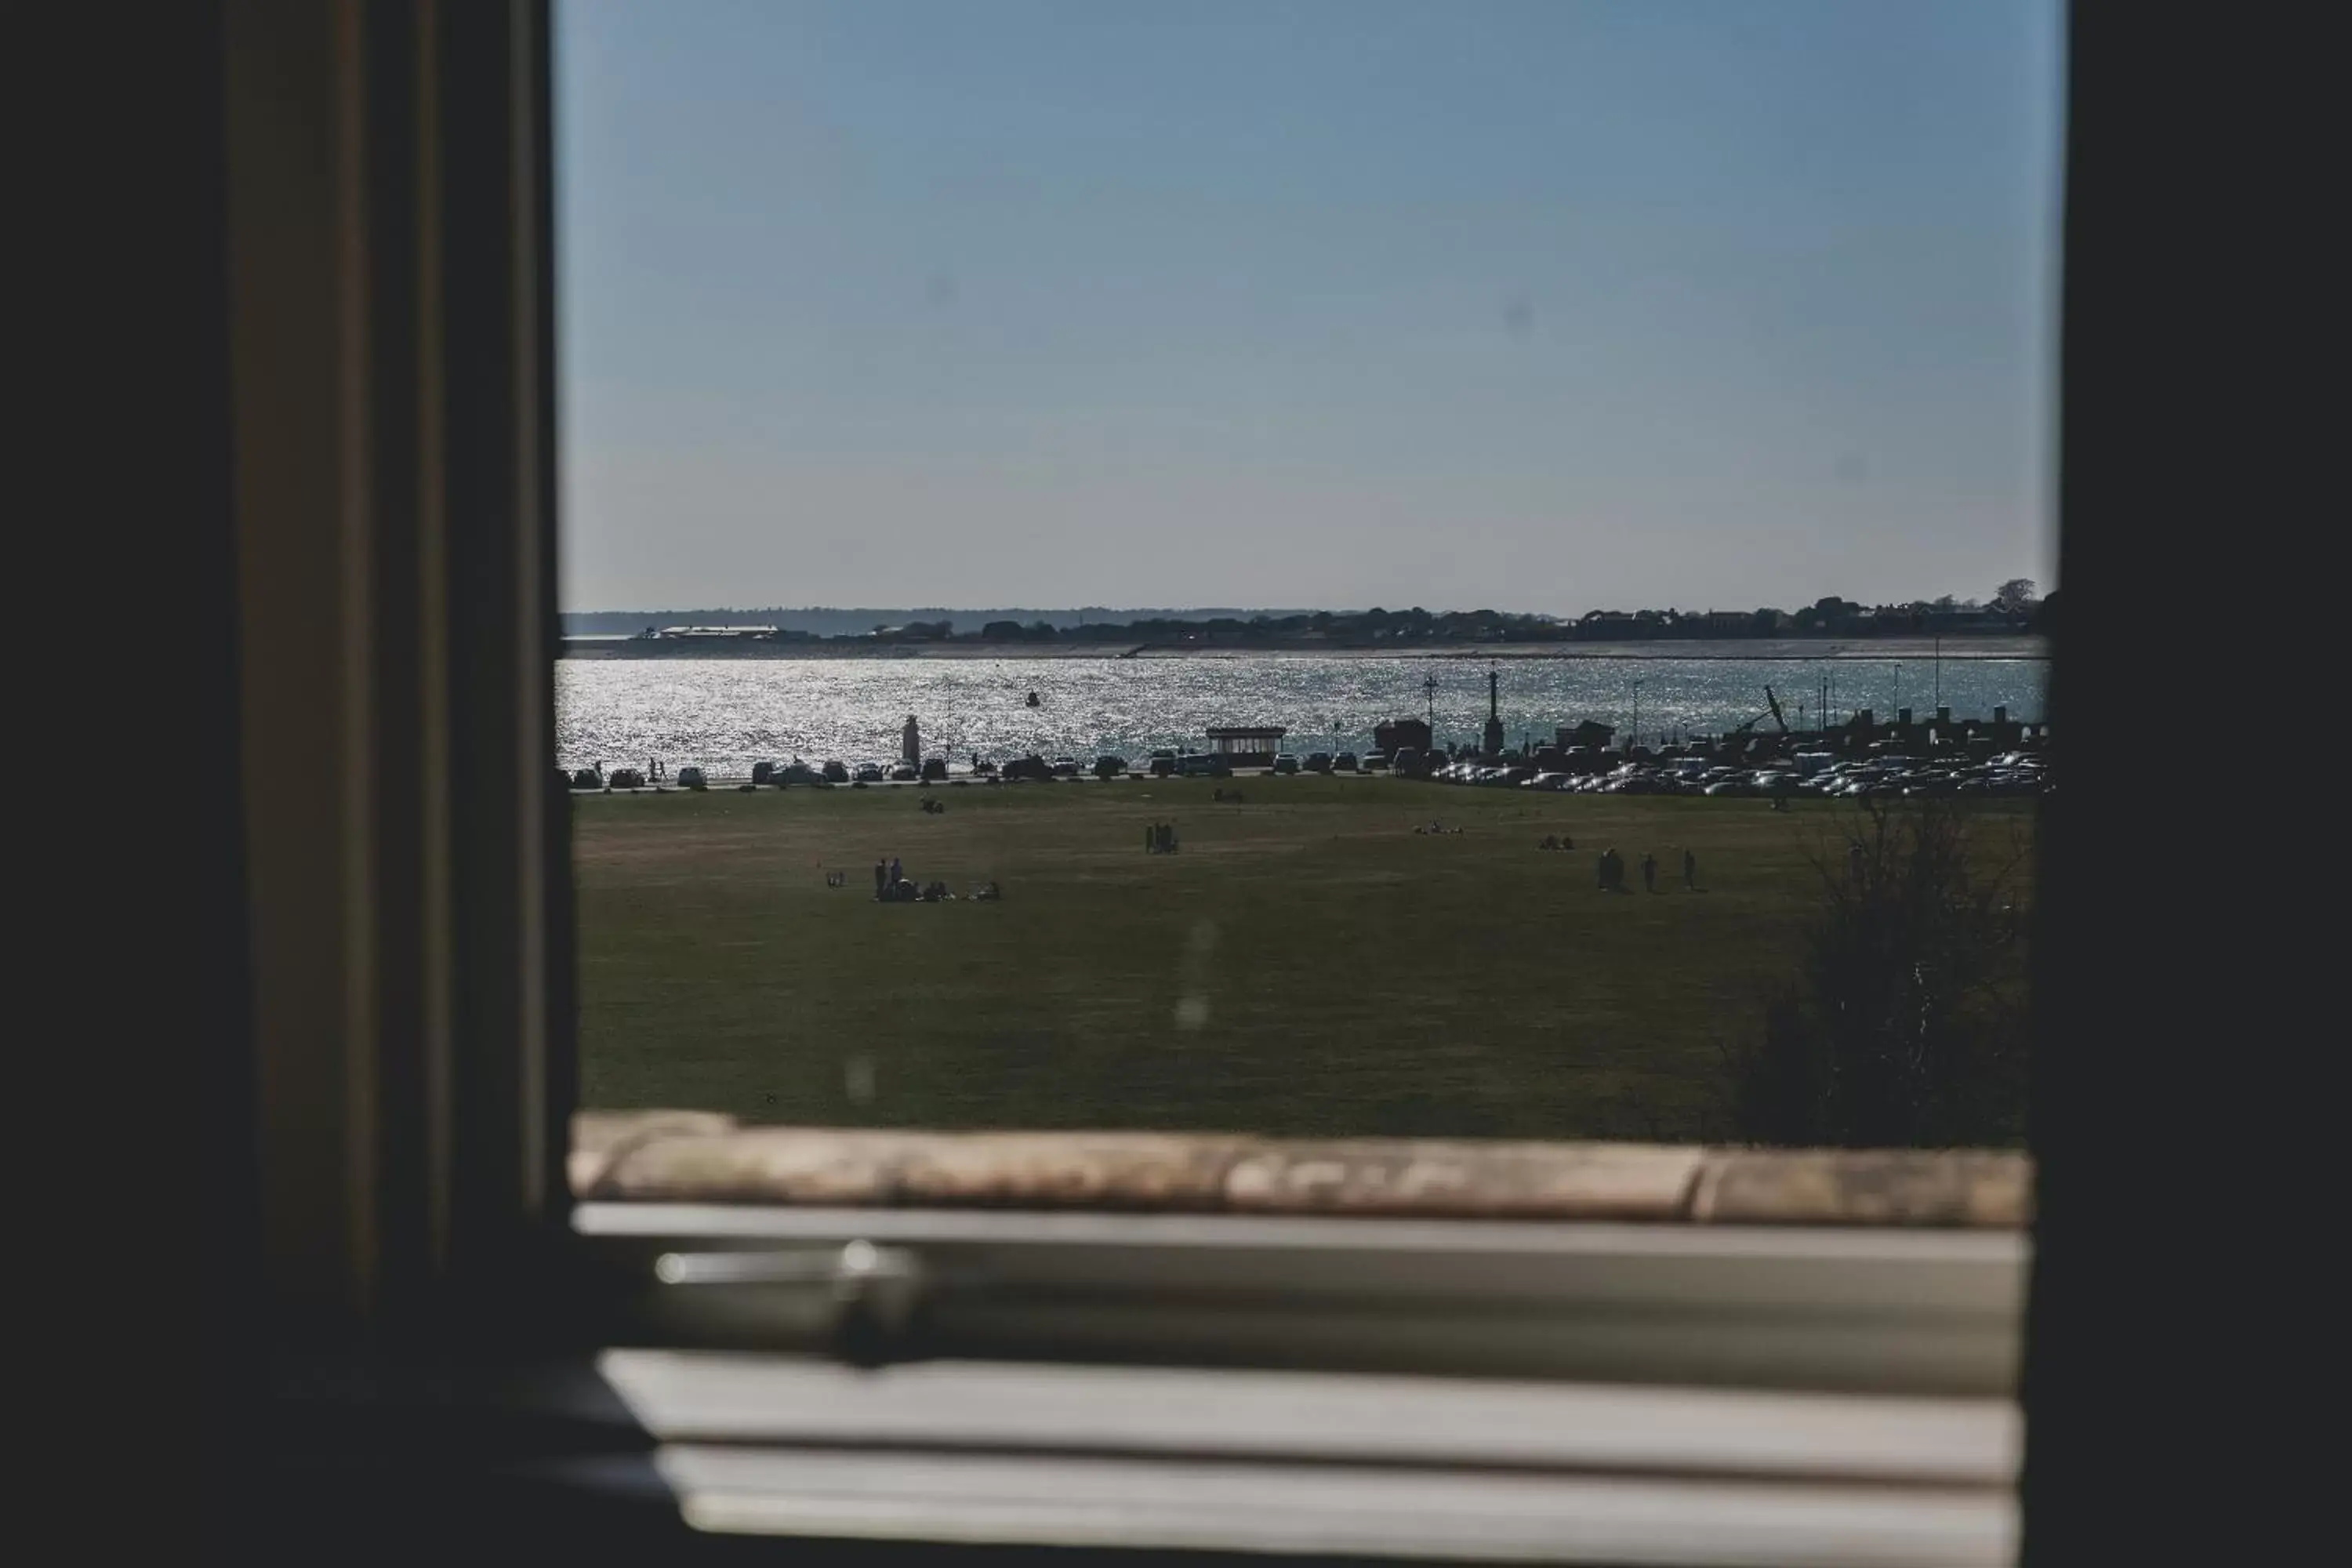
(714, 633)
(1401, 732)
(1246, 745)
(1586, 733)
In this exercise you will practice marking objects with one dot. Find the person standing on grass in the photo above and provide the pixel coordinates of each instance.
(1601, 867)
(1690, 870)
(897, 873)
(1649, 871)
(1854, 864)
(881, 876)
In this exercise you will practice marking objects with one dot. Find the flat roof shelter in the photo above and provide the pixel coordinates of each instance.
(1240, 741)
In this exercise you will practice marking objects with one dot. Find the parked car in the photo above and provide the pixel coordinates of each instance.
(1110, 767)
(1285, 763)
(904, 772)
(870, 772)
(834, 773)
(935, 770)
(1065, 767)
(1376, 762)
(1032, 766)
(798, 773)
(1318, 762)
(1163, 763)
(764, 773)
(691, 777)
(628, 778)
(1345, 763)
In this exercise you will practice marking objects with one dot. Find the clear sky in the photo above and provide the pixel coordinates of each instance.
(1546, 306)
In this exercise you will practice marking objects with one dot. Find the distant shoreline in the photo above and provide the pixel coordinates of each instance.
(1798, 651)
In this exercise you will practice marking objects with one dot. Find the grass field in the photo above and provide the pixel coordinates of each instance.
(1305, 963)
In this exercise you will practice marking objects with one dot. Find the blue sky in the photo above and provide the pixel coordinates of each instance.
(1549, 306)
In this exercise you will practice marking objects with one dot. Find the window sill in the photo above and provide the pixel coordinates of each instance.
(685, 1157)
(1290, 1463)
(1406, 1350)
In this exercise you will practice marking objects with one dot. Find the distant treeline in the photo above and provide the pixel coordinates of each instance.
(2014, 609)
(1830, 616)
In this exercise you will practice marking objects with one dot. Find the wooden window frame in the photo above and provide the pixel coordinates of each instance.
(380, 191)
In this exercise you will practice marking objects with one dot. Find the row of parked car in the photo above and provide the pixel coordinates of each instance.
(2016, 774)
(800, 773)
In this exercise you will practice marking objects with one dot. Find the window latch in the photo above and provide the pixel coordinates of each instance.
(872, 1293)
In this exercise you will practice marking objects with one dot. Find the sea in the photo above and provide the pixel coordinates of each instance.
(726, 714)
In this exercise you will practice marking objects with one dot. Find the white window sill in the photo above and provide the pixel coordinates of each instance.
(1431, 1469)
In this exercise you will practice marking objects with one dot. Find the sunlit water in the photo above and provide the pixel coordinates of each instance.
(726, 715)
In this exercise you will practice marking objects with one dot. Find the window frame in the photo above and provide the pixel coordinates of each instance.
(391, 266)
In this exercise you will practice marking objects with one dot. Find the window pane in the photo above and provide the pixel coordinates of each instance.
(1313, 568)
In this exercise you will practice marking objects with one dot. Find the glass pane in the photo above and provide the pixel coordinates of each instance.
(1456, 569)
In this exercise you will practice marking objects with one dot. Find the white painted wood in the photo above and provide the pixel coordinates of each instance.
(1271, 1508)
(685, 1396)
(1856, 1309)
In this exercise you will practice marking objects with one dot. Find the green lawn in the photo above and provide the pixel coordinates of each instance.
(1306, 965)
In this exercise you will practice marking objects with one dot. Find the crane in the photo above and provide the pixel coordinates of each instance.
(1736, 738)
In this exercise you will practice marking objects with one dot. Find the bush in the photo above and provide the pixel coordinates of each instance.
(1906, 1024)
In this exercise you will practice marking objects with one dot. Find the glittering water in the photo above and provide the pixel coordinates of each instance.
(726, 714)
